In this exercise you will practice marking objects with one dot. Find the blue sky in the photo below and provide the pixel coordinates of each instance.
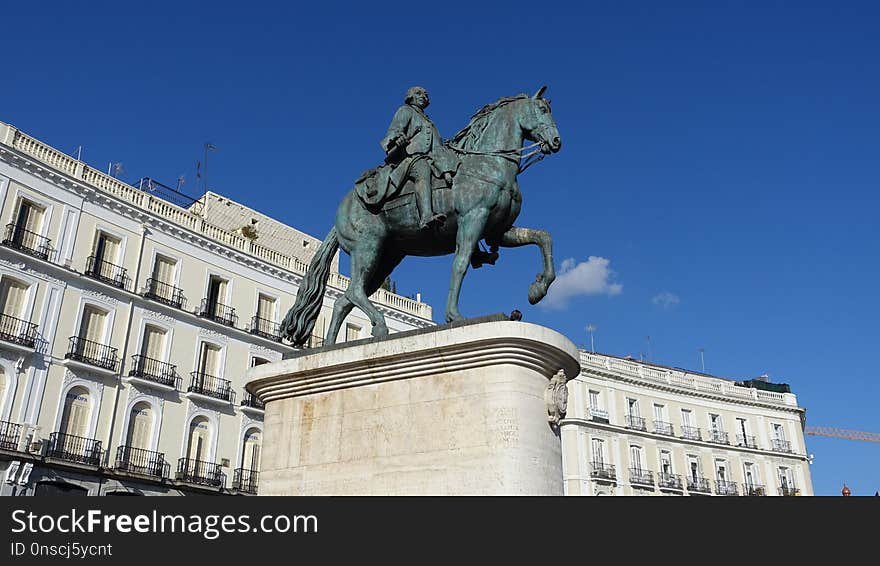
(719, 160)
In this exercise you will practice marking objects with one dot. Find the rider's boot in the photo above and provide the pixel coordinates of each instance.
(427, 218)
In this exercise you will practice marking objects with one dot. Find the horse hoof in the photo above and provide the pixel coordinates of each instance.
(453, 317)
(536, 293)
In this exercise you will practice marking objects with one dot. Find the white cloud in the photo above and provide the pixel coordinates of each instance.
(591, 277)
(666, 300)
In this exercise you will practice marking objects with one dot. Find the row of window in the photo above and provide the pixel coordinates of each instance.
(751, 476)
(104, 264)
(689, 428)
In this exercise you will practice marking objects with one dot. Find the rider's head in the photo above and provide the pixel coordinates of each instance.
(417, 96)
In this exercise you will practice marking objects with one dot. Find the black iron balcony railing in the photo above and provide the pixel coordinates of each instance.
(205, 384)
(18, 331)
(724, 487)
(753, 490)
(140, 461)
(245, 480)
(218, 313)
(639, 476)
(74, 449)
(789, 490)
(746, 441)
(781, 445)
(200, 472)
(691, 433)
(28, 242)
(102, 270)
(9, 435)
(155, 371)
(266, 328)
(718, 437)
(669, 481)
(164, 293)
(250, 400)
(93, 353)
(661, 427)
(602, 471)
(635, 422)
(699, 485)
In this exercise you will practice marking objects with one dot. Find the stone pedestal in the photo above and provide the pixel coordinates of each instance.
(460, 409)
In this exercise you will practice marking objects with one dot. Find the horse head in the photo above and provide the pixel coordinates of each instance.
(537, 122)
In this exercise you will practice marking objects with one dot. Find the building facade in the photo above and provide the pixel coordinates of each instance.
(636, 428)
(128, 323)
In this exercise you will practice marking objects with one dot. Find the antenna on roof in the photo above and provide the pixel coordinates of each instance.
(591, 329)
(648, 339)
(702, 360)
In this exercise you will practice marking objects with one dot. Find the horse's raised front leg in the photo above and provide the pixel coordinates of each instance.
(516, 237)
(470, 230)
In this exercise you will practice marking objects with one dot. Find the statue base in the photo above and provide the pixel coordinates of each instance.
(462, 409)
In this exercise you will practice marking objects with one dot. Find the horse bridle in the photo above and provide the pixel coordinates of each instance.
(517, 155)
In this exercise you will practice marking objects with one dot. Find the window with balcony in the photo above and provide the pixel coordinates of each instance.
(661, 423)
(723, 484)
(196, 467)
(135, 455)
(600, 470)
(245, 478)
(72, 441)
(638, 474)
(667, 479)
(716, 430)
(215, 304)
(13, 327)
(88, 346)
(780, 444)
(207, 380)
(688, 429)
(595, 408)
(786, 482)
(352, 332)
(743, 438)
(264, 322)
(105, 262)
(24, 233)
(633, 417)
(752, 485)
(161, 284)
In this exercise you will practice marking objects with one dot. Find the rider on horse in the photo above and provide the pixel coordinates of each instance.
(413, 142)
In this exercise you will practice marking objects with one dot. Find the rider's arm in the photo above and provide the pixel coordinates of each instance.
(397, 129)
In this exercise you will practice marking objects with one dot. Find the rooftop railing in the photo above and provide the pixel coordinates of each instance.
(684, 380)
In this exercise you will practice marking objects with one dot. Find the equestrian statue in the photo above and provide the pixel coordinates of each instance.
(429, 199)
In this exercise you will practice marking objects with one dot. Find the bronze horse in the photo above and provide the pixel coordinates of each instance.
(482, 204)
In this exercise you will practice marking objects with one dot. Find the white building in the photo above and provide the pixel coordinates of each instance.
(636, 428)
(128, 323)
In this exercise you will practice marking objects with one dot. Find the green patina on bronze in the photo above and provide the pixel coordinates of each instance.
(430, 199)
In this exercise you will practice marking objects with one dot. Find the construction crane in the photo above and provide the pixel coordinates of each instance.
(842, 433)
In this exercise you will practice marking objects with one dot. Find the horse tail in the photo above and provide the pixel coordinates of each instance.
(299, 321)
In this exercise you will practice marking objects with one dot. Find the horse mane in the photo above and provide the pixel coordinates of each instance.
(470, 135)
